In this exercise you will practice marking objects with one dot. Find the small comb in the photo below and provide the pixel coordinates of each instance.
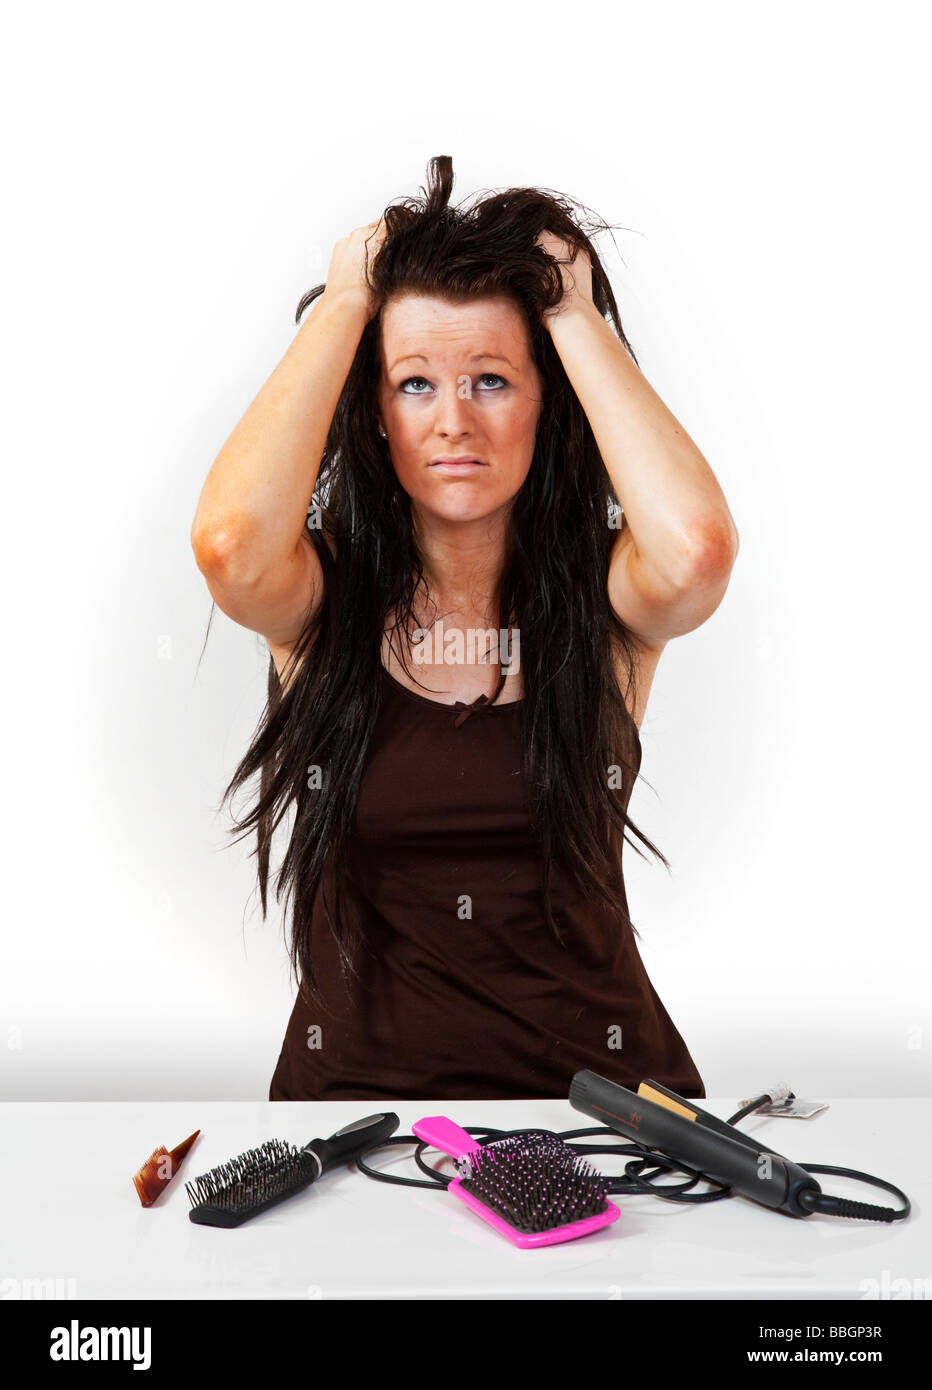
(531, 1187)
(159, 1169)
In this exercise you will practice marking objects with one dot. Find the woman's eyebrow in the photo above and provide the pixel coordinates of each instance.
(476, 357)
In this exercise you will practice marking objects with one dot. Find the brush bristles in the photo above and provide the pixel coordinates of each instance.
(534, 1182)
(254, 1178)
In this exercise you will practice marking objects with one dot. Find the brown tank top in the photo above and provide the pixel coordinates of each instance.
(464, 993)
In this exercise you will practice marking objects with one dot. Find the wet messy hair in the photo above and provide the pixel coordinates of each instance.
(576, 725)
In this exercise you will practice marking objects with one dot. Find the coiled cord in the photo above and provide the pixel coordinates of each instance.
(648, 1160)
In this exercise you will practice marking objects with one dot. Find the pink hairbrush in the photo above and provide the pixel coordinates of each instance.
(531, 1187)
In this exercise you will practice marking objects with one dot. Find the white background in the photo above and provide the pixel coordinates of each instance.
(175, 179)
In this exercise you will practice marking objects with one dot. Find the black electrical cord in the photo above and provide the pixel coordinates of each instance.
(642, 1160)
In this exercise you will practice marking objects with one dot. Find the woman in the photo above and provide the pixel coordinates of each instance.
(462, 640)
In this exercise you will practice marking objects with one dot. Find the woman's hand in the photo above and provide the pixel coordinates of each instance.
(346, 278)
(576, 275)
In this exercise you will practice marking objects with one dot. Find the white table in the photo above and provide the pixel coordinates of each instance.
(69, 1213)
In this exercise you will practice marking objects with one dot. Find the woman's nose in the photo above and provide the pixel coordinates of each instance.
(453, 410)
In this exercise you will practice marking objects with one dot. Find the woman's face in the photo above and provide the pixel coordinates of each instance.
(458, 380)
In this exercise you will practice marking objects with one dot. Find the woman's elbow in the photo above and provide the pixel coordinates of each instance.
(713, 549)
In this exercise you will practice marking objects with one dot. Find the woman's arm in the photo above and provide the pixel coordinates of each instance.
(249, 531)
(671, 562)
(253, 505)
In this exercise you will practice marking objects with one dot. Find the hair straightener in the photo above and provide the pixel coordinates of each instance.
(681, 1131)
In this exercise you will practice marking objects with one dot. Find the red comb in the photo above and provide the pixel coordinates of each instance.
(159, 1169)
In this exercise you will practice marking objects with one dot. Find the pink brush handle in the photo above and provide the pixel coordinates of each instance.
(446, 1136)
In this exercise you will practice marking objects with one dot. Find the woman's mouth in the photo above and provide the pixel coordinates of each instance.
(451, 464)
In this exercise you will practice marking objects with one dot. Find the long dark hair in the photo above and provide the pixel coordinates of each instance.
(576, 725)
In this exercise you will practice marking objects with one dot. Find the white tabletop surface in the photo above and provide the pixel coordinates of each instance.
(69, 1213)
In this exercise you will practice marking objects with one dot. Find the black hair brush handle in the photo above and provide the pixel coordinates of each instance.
(348, 1143)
